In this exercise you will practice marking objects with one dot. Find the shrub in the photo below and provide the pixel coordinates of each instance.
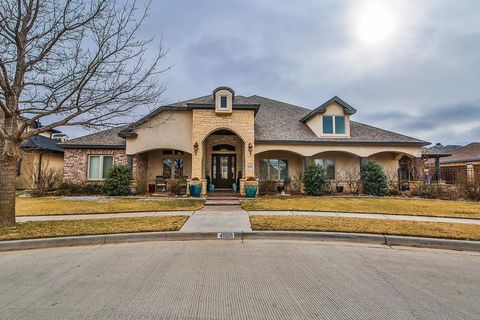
(175, 187)
(470, 189)
(296, 184)
(374, 179)
(315, 180)
(118, 180)
(92, 188)
(424, 190)
(69, 188)
(267, 187)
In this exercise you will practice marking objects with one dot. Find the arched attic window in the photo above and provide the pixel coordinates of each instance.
(223, 147)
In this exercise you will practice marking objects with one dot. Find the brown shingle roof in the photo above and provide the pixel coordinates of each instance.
(104, 139)
(275, 122)
(468, 153)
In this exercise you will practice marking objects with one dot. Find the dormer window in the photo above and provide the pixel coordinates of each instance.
(333, 124)
(223, 102)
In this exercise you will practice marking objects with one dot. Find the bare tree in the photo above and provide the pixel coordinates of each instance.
(351, 176)
(68, 63)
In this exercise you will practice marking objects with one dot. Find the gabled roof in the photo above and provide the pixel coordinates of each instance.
(42, 143)
(468, 153)
(276, 122)
(281, 123)
(321, 109)
(108, 139)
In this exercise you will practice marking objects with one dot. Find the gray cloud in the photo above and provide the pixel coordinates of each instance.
(423, 81)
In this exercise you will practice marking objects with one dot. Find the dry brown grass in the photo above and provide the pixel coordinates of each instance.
(417, 207)
(58, 205)
(63, 228)
(359, 225)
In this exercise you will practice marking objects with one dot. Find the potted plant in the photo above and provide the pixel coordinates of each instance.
(251, 186)
(195, 187)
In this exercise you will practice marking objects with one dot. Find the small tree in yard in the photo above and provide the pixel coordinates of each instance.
(374, 179)
(68, 63)
(118, 180)
(315, 180)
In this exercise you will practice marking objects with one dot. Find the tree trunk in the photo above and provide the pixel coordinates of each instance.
(8, 166)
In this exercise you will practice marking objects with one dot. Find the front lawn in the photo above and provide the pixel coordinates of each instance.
(359, 225)
(64, 228)
(78, 205)
(420, 207)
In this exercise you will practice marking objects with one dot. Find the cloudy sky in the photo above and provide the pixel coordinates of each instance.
(407, 66)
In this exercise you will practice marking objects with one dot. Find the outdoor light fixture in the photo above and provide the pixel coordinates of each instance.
(250, 148)
(195, 147)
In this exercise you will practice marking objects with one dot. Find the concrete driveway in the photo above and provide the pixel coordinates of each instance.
(231, 280)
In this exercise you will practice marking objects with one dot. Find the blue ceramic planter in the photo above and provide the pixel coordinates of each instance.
(250, 191)
(196, 189)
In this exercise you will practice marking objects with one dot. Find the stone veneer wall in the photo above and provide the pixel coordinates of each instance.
(206, 121)
(76, 163)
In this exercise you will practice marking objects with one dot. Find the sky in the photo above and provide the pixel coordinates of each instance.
(412, 67)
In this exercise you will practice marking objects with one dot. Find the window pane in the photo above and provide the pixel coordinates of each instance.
(223, 102)
(264, 169)
(319, 162)
(339, 125)
(330, 169)
(94, 167)
(283, 167)
(273, 169)
(178, 169)
(327, 124)
(167, 168)
(107, 165)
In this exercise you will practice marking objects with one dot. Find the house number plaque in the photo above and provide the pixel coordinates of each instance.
(226, 235)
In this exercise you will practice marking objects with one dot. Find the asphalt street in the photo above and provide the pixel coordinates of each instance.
(234, 280)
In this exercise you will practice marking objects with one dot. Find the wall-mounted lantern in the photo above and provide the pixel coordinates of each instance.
(195, 147)
(250, 148)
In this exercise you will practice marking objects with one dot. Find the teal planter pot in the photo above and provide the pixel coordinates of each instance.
(234, 187)
(250, 190)
(195, 189)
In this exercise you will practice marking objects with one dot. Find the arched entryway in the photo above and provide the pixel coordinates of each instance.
(223, 161)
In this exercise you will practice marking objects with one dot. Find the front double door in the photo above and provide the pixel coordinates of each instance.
(224, 167)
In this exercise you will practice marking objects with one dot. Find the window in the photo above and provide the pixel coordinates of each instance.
(173, 169)
(223, 147)
(223, 102)
(339, 125)
(329, 165)
(167, 168)
(327, 124)
(333, 124)
(99, 166)
(273, 169)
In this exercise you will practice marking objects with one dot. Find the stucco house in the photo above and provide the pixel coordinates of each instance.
(225, 137)
(40, 155)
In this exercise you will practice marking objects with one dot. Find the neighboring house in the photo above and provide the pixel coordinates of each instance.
(226, 137)
(39, 155)
(458, 162)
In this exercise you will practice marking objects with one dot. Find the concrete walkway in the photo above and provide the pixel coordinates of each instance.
(103, 216)
(364, 216)
(234, 218)
(218, 218)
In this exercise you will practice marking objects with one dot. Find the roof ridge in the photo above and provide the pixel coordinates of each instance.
(93, 133)
(278, 101)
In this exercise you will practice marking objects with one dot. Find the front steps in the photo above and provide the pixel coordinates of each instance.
(222, 198)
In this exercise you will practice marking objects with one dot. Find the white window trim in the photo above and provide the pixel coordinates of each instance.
(333, 126)
(100, 167)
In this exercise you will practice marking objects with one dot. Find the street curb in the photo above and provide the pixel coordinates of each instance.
(379, 239)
